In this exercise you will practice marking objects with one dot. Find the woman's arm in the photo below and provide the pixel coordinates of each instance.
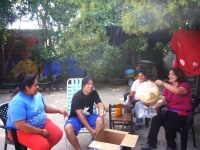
(27, 128)
(131, 96)
(50, 109)
(160, 102)
(173, 89)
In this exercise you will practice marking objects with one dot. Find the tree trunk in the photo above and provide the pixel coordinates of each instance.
(3, 63)
(49, 70)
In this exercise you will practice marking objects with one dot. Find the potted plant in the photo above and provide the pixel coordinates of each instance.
(43, 81)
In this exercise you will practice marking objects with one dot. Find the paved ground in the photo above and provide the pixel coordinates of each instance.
(108, 94)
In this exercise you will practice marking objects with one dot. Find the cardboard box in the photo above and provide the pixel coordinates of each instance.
(109, 139)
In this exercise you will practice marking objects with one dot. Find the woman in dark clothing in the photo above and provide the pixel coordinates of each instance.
(177, 96)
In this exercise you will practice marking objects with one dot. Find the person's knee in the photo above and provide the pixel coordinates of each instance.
(69, 128)
(44, 146)
(127, 103)
(58, 135)
(100, 121)
(137, 104)
(41, 144)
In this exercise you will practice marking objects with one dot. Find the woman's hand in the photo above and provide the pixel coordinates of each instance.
(154, 107)
(64, 112)
(135, 101)
(45, 133)
(159, 82)
(129, 97)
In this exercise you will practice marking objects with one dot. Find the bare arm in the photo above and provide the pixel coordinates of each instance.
(132, 93)
(160, 102)
(131, 97)
(50, 109)
(174, 89)
(101, 108)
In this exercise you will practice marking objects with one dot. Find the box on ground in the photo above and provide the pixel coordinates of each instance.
(109, 139)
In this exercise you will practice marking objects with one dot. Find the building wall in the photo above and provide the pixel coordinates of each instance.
(20, 51)
(29, 38)
(169, 60)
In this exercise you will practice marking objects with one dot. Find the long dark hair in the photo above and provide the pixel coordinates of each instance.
(86, 80)
(24, 80)
(180, 74)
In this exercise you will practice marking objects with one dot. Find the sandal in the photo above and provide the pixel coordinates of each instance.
(137, 127)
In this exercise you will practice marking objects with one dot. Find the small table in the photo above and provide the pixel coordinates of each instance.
(125, 119)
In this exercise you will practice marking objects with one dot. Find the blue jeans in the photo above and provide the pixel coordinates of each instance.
(138, 121)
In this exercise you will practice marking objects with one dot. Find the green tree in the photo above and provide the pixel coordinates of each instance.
(152, 15)
(135, 17)
(139, 17)
(10, 11)
(92, 52)
(53, 17)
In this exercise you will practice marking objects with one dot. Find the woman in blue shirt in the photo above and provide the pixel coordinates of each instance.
(27, 113)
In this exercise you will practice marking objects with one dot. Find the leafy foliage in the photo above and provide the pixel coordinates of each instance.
(93, 53)
(76, 29)
(53, 16)
(7, 13)
(149, 16)
(136, 17)
(157, 55)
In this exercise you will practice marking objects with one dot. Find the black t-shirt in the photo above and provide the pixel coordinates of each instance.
(81, 101)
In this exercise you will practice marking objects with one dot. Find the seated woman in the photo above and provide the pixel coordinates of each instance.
(177, 95)
(27, 113)
(133, 98)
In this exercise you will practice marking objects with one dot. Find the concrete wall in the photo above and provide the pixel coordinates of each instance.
(169, 60)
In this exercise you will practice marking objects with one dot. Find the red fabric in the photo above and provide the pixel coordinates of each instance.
(186, 45)
(38, 142)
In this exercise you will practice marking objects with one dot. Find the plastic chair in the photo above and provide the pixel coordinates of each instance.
(3, 117)
(73, 86)
(125, 119)
(195, 102)
(146, 119)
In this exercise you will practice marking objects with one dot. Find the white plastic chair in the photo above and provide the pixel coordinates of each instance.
(74, 85)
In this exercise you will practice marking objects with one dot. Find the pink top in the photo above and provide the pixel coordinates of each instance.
(179, 101)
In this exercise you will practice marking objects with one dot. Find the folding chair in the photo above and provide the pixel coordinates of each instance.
(74, 85)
